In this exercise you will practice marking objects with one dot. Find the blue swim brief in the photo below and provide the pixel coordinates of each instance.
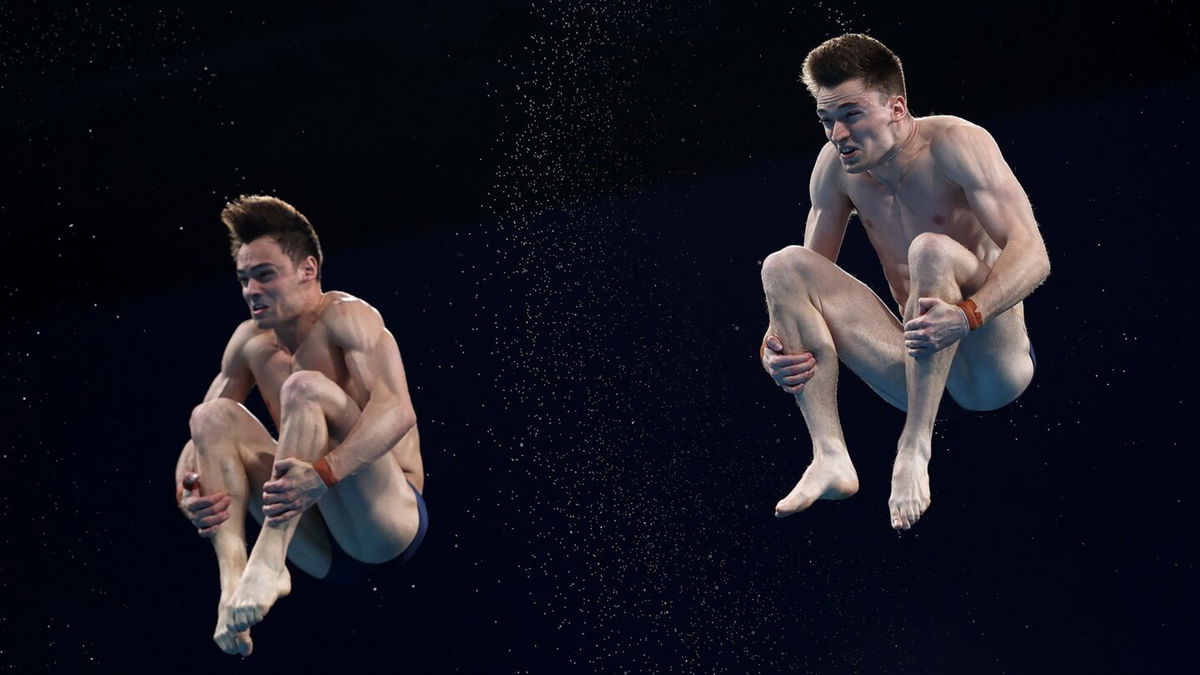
(345, 569)
(949, 409)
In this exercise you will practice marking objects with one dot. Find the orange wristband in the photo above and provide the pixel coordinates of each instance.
(325, 472)
(974, 318)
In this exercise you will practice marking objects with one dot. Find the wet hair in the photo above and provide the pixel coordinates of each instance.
(853, 56)
(251, 217)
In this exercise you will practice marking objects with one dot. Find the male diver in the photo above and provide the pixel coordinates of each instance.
(960, 249)
(332, 380)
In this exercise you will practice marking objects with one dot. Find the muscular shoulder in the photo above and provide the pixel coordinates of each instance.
(350, 321)
(827, 176)
(237, 353)
(964, 152)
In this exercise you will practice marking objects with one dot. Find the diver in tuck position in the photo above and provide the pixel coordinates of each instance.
(959, 246)
(331, 377)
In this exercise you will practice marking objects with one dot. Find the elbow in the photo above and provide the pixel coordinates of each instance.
(408, 420)
(1043, 267)
(403, 421)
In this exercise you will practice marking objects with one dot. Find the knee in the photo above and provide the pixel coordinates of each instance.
(930, 250)
(302, 386)
(213, 417)
(787, 268)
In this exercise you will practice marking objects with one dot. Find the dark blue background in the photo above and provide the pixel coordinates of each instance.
(561, 209)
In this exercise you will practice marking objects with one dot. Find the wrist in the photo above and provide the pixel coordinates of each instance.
(325, 472)
(971, 313)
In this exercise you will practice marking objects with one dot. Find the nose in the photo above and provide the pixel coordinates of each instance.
(251, 289)
(839, 132)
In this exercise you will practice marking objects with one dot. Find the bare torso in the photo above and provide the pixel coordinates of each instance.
(271, 364)
(922, 200)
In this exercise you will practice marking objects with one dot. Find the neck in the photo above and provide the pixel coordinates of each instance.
(289, 334)
(887, 170)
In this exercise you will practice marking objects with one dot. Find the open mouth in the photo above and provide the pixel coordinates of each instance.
(258, 309)
(847, 151)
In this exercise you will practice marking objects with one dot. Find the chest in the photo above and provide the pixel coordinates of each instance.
(919, 202)
(272, 365)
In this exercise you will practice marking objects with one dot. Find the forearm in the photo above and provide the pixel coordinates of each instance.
(378, 430)
(1021, 268)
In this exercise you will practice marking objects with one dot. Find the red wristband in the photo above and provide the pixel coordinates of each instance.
(325, 472)
(974, 318)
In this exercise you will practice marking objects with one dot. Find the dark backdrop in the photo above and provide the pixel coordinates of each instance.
(561, 208)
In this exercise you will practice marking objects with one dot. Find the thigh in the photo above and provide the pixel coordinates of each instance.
(255, 447)
(373, 513)
(868, 337)
(993, 365)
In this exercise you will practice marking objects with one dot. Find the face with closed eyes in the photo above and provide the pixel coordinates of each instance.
(274, 287)
(862, 124)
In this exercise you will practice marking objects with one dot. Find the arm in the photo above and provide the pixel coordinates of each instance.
(373, 359)
(234, 381)
(830, 210)
(823, 233)
(968, 156)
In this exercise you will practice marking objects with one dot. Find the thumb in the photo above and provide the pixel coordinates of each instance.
(774, 344)
(282, 466)
(926, 304)
(191, 481)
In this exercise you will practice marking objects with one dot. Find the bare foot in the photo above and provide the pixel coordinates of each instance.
(258, 590)
(829, 476)
(910, 489)
(230, 641)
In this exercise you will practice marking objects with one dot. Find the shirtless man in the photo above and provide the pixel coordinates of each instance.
(960, 249)
(331, 377)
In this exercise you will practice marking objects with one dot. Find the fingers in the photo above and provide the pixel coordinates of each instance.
(195, 504)
(207, 512)
(776, 361)
(285, 514)
(278, 508)
(202, 507)
(208, 526)
(796, 369)
(191, 481)
(774, 344)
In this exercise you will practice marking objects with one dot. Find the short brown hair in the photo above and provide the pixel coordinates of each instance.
(853, 56)
(252, 216)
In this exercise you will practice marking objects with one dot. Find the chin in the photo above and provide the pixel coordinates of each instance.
(267, 321)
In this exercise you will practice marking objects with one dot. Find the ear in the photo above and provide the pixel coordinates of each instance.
(898, 107)
(308, 268)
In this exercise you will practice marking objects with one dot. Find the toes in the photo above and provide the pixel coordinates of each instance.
(244, 644)
(225, 640)
(243, 618)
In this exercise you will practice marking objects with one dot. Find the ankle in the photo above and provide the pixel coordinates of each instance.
(915, 446)
(829, 448)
